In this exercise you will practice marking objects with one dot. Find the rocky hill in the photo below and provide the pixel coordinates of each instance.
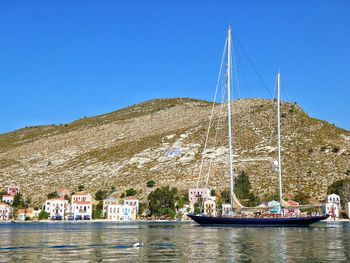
(163, 140)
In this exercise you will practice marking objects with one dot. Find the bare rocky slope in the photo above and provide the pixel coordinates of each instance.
(163, 140)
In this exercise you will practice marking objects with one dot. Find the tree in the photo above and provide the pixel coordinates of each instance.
(43, 215)
(341, 188)
(130, 192)
(81, 188)
(225, 196)
(142, 208)
(242, 190)
(182, 201)
(162, 201)
(101, 194)
(302, 198)
(2, 193)
(18, 201)
(151, 183)
(97, 210)
(242, 185)
(199, 205)
(212, 192)
(52, 195)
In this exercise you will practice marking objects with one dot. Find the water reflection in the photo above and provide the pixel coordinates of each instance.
(181, 242)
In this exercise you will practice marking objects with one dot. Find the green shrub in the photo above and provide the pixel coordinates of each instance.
(131, 192)
(151, 183)
(43, 215)
(52, 195)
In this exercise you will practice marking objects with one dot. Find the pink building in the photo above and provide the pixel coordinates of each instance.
(195, 193)
(12, 190)
(293, 209)
(133, 202)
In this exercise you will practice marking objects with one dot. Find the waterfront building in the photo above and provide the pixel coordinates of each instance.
(56, 207)
(132, 201)
(226, 209)
(332, 206)
(195, 193)
(210, 207)
(12, 190)
(106, 203)
(30, 213)
(81, 207)
(292, 209)
(5, 211)
(8, 199)
(121, 212)
(275, 207)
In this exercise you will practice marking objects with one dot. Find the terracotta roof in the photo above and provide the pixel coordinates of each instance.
(1, 203)
(130, 198)
(8, 196)
(57, 199)
(80, 194)
(28, 211)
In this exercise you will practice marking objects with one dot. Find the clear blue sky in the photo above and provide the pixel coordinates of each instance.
(62, 60)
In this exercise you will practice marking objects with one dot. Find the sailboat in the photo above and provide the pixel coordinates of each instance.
(241, 220)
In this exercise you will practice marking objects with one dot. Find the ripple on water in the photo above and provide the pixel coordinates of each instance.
(172, 242)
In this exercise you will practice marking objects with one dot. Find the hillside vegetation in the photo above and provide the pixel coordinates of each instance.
(163, 140)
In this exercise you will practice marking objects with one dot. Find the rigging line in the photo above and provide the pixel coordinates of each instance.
(212, 112)
(221, 114)
(234, 65)
(252, 64)
(284, 91)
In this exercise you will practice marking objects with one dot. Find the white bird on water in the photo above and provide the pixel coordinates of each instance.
(138, 244)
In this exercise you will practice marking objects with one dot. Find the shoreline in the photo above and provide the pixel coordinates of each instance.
(95, 221)
(134, 221)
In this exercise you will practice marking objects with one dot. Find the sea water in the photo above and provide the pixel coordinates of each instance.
(172, 242)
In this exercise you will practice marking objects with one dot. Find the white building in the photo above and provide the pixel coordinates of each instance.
(5, 212)
(8, 199)
(56, 207)
(81, 207)
(132, 201)
(226, 209)
(106, 203)
(332, 206)
(121, 213)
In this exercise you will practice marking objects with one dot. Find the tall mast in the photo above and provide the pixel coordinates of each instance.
(229, 112)
(279, 138)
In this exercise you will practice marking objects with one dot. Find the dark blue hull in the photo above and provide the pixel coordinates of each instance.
(271, 222)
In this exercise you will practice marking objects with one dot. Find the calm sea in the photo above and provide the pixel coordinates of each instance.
(165, 242)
